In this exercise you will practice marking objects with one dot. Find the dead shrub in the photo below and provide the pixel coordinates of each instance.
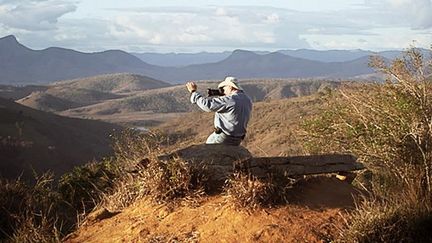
(143, 174)
(394, 220)
(175, 178)
(131, 146)
(160, 180)
(251, 193)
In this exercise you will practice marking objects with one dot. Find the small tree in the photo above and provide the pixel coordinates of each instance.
(387, 125)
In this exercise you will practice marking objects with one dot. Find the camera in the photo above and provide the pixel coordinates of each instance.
(215, 92)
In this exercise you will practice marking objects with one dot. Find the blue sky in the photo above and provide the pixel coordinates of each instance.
(193, 26)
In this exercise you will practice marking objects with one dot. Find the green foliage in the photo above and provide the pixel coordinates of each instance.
(84, 185)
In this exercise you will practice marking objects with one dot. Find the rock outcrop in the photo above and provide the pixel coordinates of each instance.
(222, 161)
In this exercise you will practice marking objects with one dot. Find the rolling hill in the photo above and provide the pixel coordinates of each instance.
(272, 130)
(175, 99)
(32, 139)
(113, 83)
(17, 92)
(75, 93)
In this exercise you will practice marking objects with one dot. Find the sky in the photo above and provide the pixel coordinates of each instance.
(214, 26)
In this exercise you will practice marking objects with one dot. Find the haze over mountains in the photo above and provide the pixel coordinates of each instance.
(21, 65)
(185, 59)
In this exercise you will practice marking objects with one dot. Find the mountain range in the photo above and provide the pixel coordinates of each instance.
(185, 59)
(22, 65)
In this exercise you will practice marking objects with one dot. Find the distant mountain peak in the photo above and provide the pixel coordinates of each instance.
(9, 43)
(9, 39)
(241, 54)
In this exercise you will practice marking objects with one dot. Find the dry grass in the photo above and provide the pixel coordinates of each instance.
(30, 213)
(146, 175)
(250, 193)
(161, 181)
(393, 220)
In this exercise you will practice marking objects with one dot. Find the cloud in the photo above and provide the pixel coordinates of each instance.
(233, 27)
(33, 15)
(417, 14)
(215, 28)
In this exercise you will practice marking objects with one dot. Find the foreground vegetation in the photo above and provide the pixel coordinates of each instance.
(388, 126)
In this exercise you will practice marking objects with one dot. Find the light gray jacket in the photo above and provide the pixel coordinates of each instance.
(232, 112)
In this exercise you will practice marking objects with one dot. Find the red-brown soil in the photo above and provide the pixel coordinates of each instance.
(315, 213)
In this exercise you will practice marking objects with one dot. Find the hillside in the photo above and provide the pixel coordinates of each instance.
(117, 83)
(318, 203)
(272, 130)
(175, 99)
(75, 93)
(18, 92)
(32, 139)
(315, 212)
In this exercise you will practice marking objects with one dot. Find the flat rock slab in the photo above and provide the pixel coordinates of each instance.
(222, 160)
(302, 165)
(211, 154)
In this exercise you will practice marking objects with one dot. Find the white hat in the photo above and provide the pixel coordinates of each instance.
(230, 81)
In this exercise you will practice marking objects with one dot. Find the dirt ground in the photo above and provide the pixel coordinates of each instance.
(316, 211)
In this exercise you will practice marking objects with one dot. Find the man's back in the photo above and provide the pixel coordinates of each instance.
(234, 118)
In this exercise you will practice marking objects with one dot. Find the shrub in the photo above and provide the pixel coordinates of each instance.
(251, 193)
(388, 126)
(131, 146)
(163, 181)
(144, 174)
(30, 213)
(393, 220)
(83, 187)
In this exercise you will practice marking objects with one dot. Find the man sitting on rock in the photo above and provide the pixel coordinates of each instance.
(232, 111)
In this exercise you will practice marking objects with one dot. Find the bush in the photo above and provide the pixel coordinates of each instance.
(30, 213)
(250, 193)
(143, 174)
(393, 220)
(83, 187)
(388, 126)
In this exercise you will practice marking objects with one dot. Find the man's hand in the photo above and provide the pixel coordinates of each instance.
(191, 86)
